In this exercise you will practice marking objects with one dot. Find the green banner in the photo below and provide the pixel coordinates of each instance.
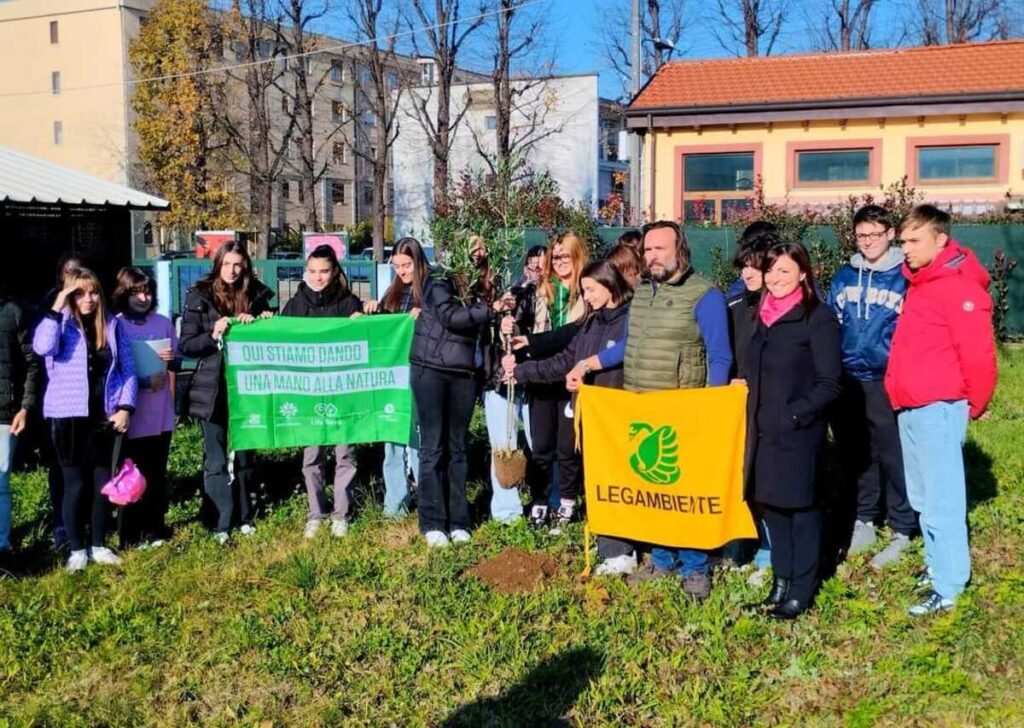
(318, 381)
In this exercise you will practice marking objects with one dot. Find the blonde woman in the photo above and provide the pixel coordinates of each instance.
(558, 313)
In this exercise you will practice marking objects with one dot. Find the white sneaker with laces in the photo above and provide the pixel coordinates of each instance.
(157, 543)
(863, 537)
(459, 536)
(247, 530)
(563, 517)
(617, 566)
(934, 603)
(538, 516)
(312, 528)
(221, 537)
(436, 539)
(103, 555)
(339, 528)
(77, 561)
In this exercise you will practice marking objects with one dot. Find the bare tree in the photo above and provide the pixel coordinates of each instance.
(298, 15)
(961, 21)
(256, 130)
(378, 92)
(444, 33)
(750, 25)
(662, 25)
(847, 25)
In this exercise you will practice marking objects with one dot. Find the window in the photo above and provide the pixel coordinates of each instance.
(717, 172)
(339, 112)
(367, 194)
(338, 153)
(54, 32)
(338, 193)
(302, 194)
(286, 190)
(55, 83)
(427, 73)
(369, 118)
(365, 77)
(716, 184)
(58, 132)
(823, 167)
(391, 79)
(284, 104)
(976, 162)
(337, 71)
(491, 123)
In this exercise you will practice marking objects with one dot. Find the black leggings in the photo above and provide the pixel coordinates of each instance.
(553, 437)
(147, 518)
(84, 450)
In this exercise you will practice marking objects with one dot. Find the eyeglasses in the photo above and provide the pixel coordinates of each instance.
(864, 237)
(560, 258)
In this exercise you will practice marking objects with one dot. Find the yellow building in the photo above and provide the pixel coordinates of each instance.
(813, 129)
(63, 92)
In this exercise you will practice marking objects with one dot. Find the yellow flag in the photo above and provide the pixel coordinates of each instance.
(665, 467)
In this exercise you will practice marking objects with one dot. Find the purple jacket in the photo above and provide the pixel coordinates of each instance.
(60, 341)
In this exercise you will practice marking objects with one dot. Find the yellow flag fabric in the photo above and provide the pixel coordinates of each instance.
(665, 467)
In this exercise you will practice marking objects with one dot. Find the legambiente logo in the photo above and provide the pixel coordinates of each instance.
(655, 455)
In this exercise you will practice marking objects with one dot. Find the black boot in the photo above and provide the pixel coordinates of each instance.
(780, 588)
(789, 609)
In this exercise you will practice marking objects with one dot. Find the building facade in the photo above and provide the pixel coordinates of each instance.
(810, 130)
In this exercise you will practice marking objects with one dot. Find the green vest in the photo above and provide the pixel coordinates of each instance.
(664, 347)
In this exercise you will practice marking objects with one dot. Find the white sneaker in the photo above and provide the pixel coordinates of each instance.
(77, 561)
(759, 578)
(563, 517)
(892, 552)
(459, 536)
(221, 537)
(157, 543)
(863, 537)
(617, 565)
(436, 539)
(339, 528)
(247, 530)
(311, 529)
(103, 555)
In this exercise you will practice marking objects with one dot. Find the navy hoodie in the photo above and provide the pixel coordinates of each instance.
(867, 299)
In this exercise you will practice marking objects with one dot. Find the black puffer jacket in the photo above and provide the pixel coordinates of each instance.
(20, 371)
(604, 329)
(332, 302)
(197, 342)
(447, 330)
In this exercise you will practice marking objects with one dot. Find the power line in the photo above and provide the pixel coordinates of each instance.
(272, 59)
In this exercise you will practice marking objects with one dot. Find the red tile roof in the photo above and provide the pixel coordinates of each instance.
(970, 68)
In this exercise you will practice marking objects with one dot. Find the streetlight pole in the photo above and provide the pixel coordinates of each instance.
(635, 139)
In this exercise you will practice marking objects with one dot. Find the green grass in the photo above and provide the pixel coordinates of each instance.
(374, 630)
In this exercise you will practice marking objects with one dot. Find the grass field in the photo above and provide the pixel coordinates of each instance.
(373, 630)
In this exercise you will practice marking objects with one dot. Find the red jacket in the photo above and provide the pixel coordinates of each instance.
(944, 347)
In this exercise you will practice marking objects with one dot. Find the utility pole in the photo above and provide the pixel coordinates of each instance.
(635, 139)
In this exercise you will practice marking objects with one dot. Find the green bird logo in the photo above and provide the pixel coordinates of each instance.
(655, 455)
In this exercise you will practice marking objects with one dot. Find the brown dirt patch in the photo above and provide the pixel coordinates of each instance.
(514, 571)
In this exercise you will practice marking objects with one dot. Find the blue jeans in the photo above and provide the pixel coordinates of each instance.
(399, 461)
(505, 504)
(932, 438)
(7, 443)
(685, 561)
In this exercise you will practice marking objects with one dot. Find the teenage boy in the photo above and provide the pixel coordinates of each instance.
(867, 296)
(942, 371)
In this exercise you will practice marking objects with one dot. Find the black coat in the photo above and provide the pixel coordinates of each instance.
(742, 316)
(793, 371)
(331, 302)
(197, 342)
(20, 371)
(607, 325)
(447, 331)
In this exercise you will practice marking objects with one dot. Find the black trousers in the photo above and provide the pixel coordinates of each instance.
(84, 449)
(230, 495)
(554, 438)
(444, 406)
(147, 518)
(796, 547)
(869, 444)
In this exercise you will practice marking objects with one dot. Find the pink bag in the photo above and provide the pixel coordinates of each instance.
(128, 485)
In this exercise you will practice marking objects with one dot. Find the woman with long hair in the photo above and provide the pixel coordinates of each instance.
(229, 293)
(149, 435)
(558, 313)
(325, 292)
(89, 400)
(606, 294)
(793, 369)
(404, 295)
(444, 385)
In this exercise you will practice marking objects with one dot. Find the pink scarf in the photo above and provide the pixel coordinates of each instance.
(772, 308)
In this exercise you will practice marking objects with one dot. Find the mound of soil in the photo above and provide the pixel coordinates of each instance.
(514, 571)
